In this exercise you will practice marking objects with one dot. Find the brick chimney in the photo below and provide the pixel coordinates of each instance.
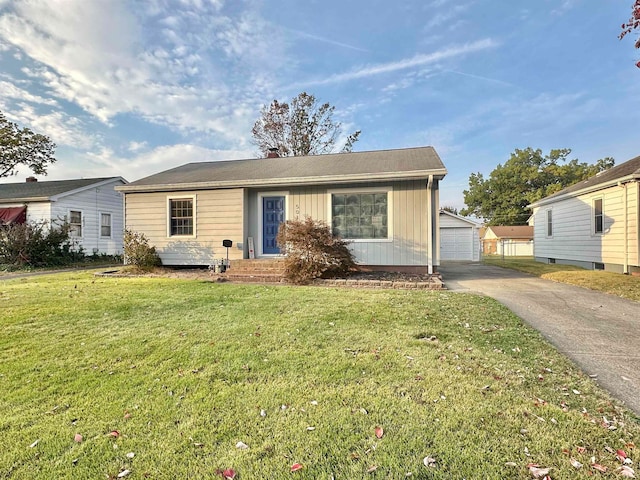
(31, 179)
(273, 153)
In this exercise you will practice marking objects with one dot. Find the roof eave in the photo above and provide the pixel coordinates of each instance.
(25, 200)
(583, 191)
(284, 182)
(88, 187)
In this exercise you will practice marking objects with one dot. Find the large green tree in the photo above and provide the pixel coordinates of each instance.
(302, 127)
(21, 146)
(632, 24)
(527, 176)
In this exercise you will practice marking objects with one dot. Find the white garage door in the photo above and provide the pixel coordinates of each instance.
(456, 243)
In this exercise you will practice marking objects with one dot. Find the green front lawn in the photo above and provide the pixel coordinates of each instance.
(162, 378)
(626, 286)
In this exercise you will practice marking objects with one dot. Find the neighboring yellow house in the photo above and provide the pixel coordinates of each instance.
(594, 223)
(385, 203)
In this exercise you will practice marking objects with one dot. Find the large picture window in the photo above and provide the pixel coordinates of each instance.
(598, 216)
(360, 215)
(181, 216)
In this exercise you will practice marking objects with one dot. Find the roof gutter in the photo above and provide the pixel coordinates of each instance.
(282, 182)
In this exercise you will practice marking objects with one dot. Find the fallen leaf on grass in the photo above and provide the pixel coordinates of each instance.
(113, 433)
(242, 446)
(575, 463)
(77, 438)
(228, 474)
(621, 455)
(296, 466)
(429, 462)
(124, 473)
(580, 449)
(34, 444)
(131, 455)
(372, 468)
(598, 467)
(536, 471)
(626, 471)
(379, 432)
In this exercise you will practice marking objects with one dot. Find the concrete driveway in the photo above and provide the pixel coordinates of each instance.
(599, 332)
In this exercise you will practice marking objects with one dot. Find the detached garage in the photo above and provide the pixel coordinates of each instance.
(459, 238)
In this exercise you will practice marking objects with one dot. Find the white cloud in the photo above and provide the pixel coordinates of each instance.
(61, 128)
(10, 90)
(106, 162)
(137, 146)
(415, 61)
(110, 60)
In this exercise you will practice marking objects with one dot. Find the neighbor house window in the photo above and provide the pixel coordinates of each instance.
(105, 225)
(549, 223)
(75, 223)
(598, 216)
(181, 216)
(360, 215)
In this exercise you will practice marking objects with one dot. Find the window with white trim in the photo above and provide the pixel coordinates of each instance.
(549, 223)
(598, 216)
(105, 225)
(75, 223)
(360, 215)
(181, 216)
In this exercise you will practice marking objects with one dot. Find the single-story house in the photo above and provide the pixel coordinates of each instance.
(385, 202)
(92, 207)
(594, 223)
(508, 240)
(459, 238)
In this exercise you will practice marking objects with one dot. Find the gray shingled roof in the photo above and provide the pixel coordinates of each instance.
(43, 191)
(339, 167)
(630, 168)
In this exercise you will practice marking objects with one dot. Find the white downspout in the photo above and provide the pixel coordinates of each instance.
(432, 219)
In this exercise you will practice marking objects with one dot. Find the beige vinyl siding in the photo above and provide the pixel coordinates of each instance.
(573, 228)
(409, 214)
(218, 216)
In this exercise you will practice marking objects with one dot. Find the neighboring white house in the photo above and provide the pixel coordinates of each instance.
(459, 238)
(594, 223)
(385, 202)
(508, 240)
(92, 207)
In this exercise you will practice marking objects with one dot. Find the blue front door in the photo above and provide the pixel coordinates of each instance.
(272, 217)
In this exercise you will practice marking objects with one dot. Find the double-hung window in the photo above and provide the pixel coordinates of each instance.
(598, 217)
(105, 225)
(181, 216)
(549, 223)
(75, 223)
(361, 215)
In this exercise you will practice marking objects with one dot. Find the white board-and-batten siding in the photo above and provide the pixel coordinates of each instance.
(218, 216)
(573, 236)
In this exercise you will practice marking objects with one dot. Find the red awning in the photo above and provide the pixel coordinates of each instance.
(11, 215)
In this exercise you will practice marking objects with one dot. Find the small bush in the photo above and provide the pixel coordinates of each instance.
(312, 251)
(138, 252)
(38, 244)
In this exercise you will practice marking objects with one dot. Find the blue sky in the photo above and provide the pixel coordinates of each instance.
(133, 87)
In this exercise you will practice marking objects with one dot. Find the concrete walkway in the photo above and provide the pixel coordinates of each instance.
(599, 332)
